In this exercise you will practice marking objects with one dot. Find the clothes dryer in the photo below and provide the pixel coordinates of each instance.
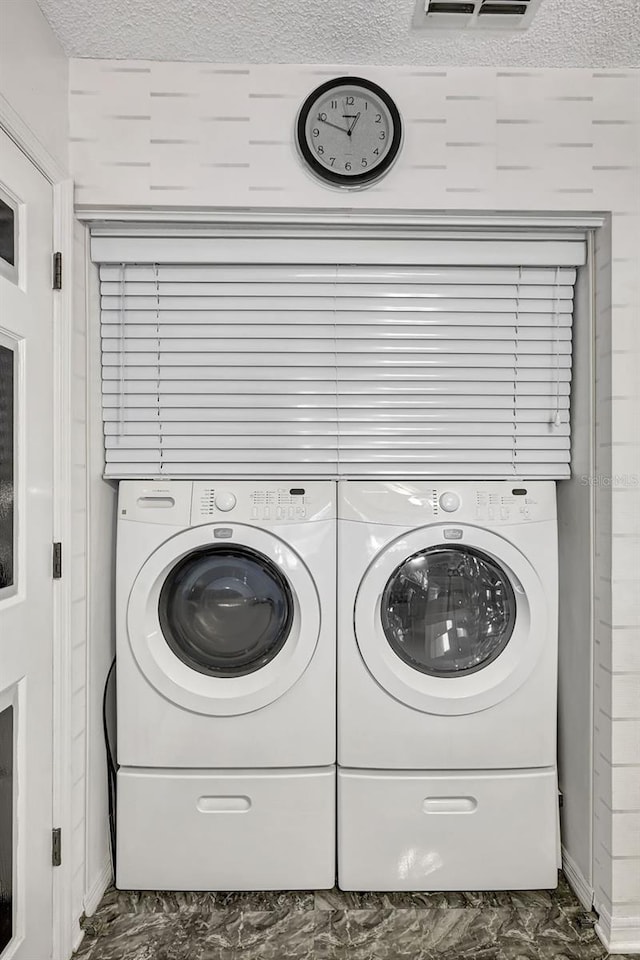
(225, 628)
(447, 638)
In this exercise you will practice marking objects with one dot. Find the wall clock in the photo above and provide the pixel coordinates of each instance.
(349, 132)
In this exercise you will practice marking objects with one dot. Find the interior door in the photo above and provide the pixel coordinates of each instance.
(26, 589)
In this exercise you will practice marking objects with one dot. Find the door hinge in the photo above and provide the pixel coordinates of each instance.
(57, 271)
(56, 846)
(57, 561)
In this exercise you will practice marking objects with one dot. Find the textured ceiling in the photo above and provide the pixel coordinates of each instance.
(564, 33)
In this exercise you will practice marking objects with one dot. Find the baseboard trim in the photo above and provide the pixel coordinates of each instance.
(577, 881)
(619, 934)
(96, 892)
(78, 935)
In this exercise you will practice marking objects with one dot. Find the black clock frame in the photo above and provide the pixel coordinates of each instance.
(341, 179)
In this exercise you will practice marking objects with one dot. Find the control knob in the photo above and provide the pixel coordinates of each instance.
(449, 502)
(225, 500)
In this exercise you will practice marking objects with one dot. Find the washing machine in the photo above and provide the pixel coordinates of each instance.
(447, 678)
(225, 670)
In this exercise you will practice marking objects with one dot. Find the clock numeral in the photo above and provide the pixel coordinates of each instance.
(378, 118)
(366, 104)
(363, 162)
(322, 116)
(320, 148)
(316, 132)
(376, 151)
(332, 160)
(349, 101)
(334, 104)
(382, 136)
(347, 165)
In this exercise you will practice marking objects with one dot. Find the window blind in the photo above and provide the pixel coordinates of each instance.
(373, 367)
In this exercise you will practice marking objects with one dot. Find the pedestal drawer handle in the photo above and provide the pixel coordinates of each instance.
(223, 804)
(449, 804)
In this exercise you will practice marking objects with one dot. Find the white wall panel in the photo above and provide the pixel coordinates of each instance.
(476, 139)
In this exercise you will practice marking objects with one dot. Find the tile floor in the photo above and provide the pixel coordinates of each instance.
(333, 925)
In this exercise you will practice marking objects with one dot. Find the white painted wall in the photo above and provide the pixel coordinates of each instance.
(575, 627)
(34, 74)
(101, 500)
(194, 135)
(92, 593)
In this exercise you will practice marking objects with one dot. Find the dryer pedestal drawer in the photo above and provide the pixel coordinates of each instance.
(226, 830)
(451, 831)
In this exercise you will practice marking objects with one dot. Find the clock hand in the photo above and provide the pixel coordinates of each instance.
(329, 124)
(352, 126)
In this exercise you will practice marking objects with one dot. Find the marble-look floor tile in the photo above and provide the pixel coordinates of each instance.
(339, 925)
(390, 933)
(167, 901)
(406, 900)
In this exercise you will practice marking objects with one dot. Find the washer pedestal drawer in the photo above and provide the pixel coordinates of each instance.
(226, 830)
(406, 830)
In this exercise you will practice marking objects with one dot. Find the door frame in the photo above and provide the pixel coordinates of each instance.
(65, 934)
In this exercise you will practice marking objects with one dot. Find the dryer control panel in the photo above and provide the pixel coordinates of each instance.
(415, 503)
(510, 506)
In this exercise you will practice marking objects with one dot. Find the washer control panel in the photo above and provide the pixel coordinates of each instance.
(264, 503)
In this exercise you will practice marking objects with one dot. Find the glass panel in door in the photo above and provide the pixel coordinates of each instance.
(226, 611)
(448, 611)
(7, 467)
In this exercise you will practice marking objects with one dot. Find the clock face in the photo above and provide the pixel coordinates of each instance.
(349, 132)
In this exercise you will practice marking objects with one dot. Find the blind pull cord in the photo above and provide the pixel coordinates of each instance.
(556, 420)
(516, 364)
(335, 364)
(158, 372)
(123, 352)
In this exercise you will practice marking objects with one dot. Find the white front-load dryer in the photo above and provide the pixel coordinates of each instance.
(225, 636)
(447, 675)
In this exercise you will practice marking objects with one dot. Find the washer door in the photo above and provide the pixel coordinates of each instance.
(456, 626)
(223, 627)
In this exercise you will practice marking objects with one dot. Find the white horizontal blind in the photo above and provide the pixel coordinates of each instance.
(363, 369)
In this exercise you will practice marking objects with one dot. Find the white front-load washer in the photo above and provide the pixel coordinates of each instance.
(225, 637)
(447, 675)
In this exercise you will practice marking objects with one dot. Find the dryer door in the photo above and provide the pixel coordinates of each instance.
(456, 626)
(223, 626)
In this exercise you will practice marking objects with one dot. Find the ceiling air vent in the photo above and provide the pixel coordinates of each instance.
(474, 14)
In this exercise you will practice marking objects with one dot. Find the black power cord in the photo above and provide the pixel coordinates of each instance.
(111, 770)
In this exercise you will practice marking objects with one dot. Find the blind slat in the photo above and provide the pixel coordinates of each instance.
(344, 273)
(328, 304)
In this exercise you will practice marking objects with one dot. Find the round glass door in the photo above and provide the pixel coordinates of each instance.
(448, 611)
(225, 611)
